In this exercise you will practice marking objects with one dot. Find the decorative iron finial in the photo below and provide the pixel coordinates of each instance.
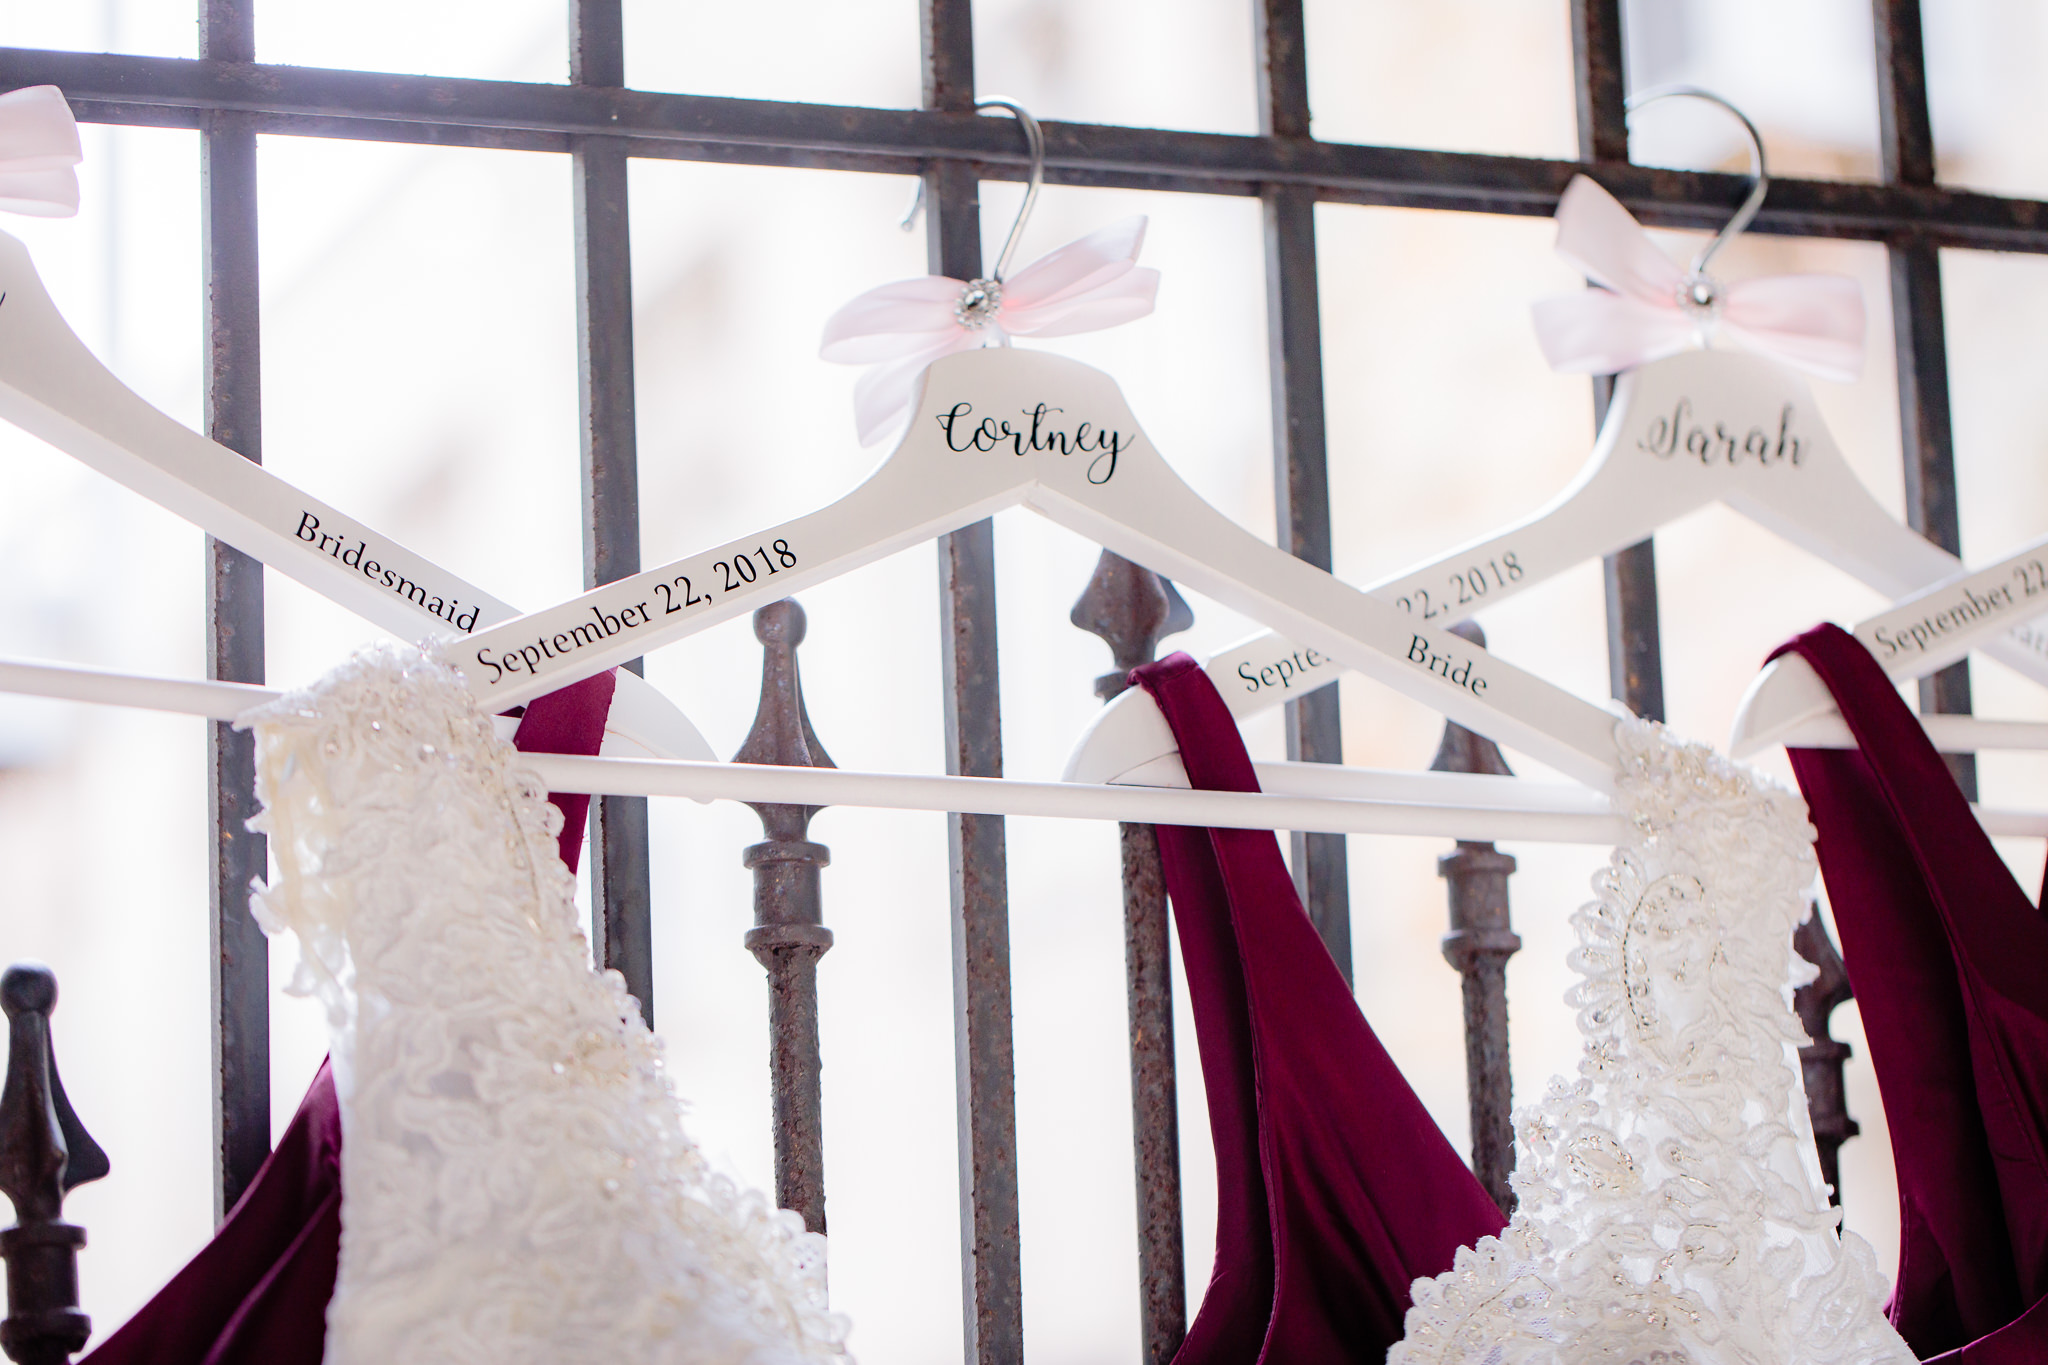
(789, 935)
(782, 732)
(1132, 609)
(1821, 1060)
(1479, 944)
(45, 1153)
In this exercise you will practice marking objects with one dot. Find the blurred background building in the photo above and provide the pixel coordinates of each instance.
(419, 371)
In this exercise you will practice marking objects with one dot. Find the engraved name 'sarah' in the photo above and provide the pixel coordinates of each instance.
(1683, 433)
(353, 555)
(1041, 432)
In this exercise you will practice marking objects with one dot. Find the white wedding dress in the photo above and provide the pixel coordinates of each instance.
(517, 1188)
(1672, 1210)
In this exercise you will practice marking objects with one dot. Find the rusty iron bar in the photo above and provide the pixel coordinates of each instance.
(1301, 474)
(1919, 336)
(1635, 662)
(984, 1047)
(1479, 944)
(622, 896)
(170, 92)
(45, 1153)
(239, 969)
(789, 934)
(1132, 609)
(1821, 1060)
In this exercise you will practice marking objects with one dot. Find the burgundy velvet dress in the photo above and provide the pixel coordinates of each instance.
(257, 1293)
(1949, 961)
(1335, 1188)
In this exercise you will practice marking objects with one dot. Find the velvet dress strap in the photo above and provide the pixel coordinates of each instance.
(1335, 1188)
(257, 1293)
(1949, 962)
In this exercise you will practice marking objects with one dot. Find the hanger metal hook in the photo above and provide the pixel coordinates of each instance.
(1034, 137)
(1757, 169)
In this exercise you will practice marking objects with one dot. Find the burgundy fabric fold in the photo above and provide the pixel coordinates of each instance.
(257, 1293)
(1949, 961)
(569, 720)
(1335, 1188)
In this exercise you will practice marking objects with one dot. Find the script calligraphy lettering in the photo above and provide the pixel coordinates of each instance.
(1039, 433)
(1684, 433)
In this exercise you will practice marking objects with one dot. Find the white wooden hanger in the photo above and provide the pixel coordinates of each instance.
(997, 428)
(1918, 635)
(53, 387)
(1768, 456)
(1681, 433)
(994, 428)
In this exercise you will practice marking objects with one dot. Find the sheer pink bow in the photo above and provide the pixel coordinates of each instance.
(38, 148)
(1651, 308)
(900, 328)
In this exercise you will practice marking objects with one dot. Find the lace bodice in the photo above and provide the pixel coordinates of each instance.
(517, 1186)
(1672, 1210)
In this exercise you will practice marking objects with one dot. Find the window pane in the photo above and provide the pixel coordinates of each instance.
(509, 40)
(814, 51)
(1983, 83)
(1810, 86)
(140, 26)
(1465, 75)
(1142, 63)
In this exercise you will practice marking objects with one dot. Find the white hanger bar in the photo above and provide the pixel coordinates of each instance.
(1473, 806)
(53, 387)
(1950, 734)
(999, 428)
(1918, 635)
(1443, 805)
(1684, 432)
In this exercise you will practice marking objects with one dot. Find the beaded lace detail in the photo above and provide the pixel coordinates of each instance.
(1672, 1210)
(517, 1185)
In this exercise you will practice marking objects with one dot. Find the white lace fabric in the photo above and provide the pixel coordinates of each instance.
(1671, 1205)
(516, 1183)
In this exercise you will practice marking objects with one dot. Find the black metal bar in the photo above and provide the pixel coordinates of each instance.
(1479, 944)
(234, 624)
(1599, 80)
(317, 102)
(45, 1153)
(991, 1258)
(1906, 148)
(1635, 654)
(622, 920)
(1822, 1059)
(1301, 475)
(1132, 609)
(1635, 658)
(789, 934)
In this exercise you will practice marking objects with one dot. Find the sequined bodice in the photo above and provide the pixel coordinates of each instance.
(517, 1186)
(1671, 1206)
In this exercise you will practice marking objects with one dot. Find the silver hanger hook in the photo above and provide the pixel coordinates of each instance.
(1034, 138)
(1757, 170)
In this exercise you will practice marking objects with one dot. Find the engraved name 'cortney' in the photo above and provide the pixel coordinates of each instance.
(1684, 434)
(963, 433)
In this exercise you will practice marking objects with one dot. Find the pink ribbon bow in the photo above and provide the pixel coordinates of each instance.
(900, 328)
(38, 148)
(1650, 308)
